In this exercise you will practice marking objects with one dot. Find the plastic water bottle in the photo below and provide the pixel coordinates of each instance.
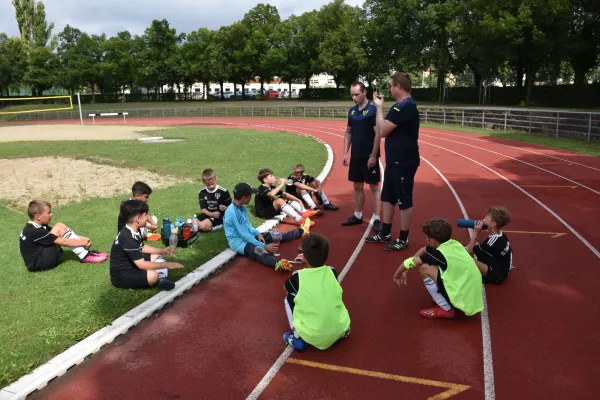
(173, 239)
(166, 227)
(468, 223)
(194, 223)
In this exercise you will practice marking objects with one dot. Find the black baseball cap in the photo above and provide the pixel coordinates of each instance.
(243, 189)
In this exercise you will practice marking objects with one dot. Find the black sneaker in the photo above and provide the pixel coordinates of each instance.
(352, 221)
(165, 284)
(376, 226)
(319, 211)
(397, 245)
(379, 238)
(330, 207)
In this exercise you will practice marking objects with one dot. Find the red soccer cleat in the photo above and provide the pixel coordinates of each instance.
(438, 312)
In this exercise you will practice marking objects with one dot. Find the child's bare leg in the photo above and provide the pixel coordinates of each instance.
(483, 268)
(63, 231)
(205, 225)
(429, 273)
(152, 277)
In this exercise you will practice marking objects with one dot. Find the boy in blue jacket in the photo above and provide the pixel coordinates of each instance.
(244, 239)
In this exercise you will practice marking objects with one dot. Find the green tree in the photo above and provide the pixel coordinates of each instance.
(197, 54)
(261, 22)
(41, 73)
(13, 62)
(304, 48)
(584, 37)
(69, 74)
(31, 19)
(119, 64)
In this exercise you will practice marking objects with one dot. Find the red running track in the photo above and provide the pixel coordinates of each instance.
(220, 339)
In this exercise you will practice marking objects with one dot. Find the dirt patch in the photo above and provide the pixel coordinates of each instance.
(23, 133)
(63, 180)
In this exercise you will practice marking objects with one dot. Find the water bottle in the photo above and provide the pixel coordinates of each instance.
(173, 239)
(166, 227)
(468, 223)
(195, 223)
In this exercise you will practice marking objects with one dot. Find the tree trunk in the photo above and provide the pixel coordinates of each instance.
(221, 85)
(580, 76)
(290, 92)
(93, 94)
(519, 72)
(477, 78)
(262, 84)
(307, 81)
(531, 72)
(243, 90)
(441, 82)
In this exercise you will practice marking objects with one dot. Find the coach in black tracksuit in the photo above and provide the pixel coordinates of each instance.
(401, 132)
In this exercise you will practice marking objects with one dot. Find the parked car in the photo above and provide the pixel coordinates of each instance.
(271, 94)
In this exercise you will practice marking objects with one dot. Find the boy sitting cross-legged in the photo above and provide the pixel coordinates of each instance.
(271, 200)
(40, 244)
(313, 304)
(304, 186)
(448, 272)
(213, 200)
(244, 239)
(134, 265)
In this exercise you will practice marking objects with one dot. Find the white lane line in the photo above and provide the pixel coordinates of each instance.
(555, 215)
(486, 336)
(514, 147)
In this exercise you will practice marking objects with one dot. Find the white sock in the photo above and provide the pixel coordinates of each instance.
(432, 288)
(80, 251)
(324, 198)
(216, 228)
(163, 272)
(376, 217)
(358, 214)
(286, 208)
(297, 206)
(290, 315)
(308, 199)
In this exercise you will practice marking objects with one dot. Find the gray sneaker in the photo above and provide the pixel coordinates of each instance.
(396, 245)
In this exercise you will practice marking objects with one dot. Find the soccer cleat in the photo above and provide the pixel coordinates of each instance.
(165, 284)
(309, 213)
(330, 207)
(376, 226)
(352, 221)
(303, 221)
(283, 265)
(291, 340)
(305, 226)
(397, 245)
(94, 257)
(379, 238)
(318, 211)
(438, 313)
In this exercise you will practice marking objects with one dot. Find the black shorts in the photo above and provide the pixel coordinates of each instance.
(213, 221)
(398, 182)
(358, 171)
(132, 279)
(267, 213)
(48, 259)
(495, 275)
(442, 288)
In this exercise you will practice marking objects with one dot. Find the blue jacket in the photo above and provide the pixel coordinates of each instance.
(238, 229)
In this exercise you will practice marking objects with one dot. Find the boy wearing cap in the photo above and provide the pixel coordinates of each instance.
(244, 239)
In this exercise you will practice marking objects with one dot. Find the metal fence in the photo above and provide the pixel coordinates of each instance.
(555, 123)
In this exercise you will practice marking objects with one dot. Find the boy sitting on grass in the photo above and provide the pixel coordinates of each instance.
(270, 200)
(313, 304)
(304, 186)
(134, 265)
(213, 200)
(140, 191)
(40, 244)
(244, 239)
(494, 255)
(448, 272)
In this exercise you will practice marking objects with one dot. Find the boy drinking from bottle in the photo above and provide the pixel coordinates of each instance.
(134, 265)
(448, 272)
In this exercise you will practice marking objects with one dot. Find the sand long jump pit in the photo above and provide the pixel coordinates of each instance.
(62, 180)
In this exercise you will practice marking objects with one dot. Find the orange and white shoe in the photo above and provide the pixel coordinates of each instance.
(309, 213)
(305, 225)
(284, 265)
(438, 312)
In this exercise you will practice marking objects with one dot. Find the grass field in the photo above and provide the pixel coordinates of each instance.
(45, 313)
(576, 145)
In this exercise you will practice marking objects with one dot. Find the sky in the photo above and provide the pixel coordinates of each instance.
(112, 16)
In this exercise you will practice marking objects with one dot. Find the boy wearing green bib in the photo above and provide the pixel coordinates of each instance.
(313, 304)
(450, 274)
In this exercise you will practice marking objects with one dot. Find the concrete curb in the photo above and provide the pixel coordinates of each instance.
(77, 353)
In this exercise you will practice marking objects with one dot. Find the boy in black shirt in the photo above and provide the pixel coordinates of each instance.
(270, 200)
(494, 256)
(140, 191)
(40, 243)
(134, 265)
(213, 200)
(304, 185)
